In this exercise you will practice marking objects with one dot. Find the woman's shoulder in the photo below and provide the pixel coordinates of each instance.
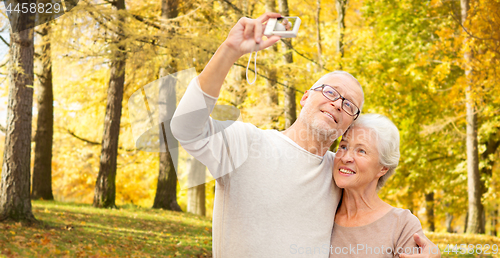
(403, 213)
(405, 218)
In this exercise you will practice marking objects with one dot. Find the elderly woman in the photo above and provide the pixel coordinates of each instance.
(365, 225)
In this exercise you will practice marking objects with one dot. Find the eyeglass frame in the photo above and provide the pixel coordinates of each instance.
(322, 86)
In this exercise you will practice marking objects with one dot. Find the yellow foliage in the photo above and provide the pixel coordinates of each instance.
(402, 76)
(436, 3)
(441, 71)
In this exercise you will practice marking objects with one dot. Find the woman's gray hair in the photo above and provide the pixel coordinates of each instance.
(387, 135)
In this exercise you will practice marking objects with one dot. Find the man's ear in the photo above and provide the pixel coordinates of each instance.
(304, 98)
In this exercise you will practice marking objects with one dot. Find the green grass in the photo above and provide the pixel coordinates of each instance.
(444, 240)
(79, 230)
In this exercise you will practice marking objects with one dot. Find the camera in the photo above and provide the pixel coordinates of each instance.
(286, 27)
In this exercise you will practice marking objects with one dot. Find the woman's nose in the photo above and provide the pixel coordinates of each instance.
(347, 157)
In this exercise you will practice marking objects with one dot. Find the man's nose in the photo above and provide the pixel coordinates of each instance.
(337, 104)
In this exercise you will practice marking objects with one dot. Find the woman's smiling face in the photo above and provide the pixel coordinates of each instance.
(357, 163)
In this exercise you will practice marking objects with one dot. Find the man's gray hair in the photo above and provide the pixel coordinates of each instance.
(387, 135)
(338, 72)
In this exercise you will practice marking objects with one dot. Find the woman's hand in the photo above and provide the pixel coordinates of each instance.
(247, 33)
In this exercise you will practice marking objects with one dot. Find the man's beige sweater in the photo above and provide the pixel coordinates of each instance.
(273, 198)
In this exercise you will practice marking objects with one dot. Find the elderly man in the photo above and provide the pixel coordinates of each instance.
(275, 196)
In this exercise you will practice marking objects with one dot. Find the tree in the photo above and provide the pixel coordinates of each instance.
(318, 35)
(196, 194)
(290, 103)
(15, 200)
(105, 189)
(272, 94)
(166, 190)
(42, 168)
(429, 200)
(492, 146)
(404, 77)
(475, 223)
(341, 6)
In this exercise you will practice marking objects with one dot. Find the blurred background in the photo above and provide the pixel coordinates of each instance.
(431, 66)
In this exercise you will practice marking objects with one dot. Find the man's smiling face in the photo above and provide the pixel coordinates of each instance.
(325, 117)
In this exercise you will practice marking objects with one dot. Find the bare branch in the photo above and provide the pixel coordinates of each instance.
(93, 142)
(4, 41)
(457, 19)
(265, 77)
(304, 56)
(82, 139)
(234, 7)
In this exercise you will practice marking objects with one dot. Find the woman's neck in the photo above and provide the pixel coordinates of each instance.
(360, 207)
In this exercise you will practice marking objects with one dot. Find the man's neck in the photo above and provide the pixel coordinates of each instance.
(309, 140)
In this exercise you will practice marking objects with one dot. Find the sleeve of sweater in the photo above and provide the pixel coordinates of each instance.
(222, 146)
(409, 225)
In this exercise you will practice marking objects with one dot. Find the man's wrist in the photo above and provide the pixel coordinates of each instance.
(229, 53)
(214, 74)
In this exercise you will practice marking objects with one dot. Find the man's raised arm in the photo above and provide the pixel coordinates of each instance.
(194, 109)
(191, 124)
(242, 39)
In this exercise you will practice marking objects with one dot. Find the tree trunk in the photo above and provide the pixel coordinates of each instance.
(42, 169)
(318, 36)
(466, 221)
(491, 148)
(272, 94)
(341, 6)
(166, 189)
(429, 203)
(239, 89)
(244, 5)
(15, 200)
(105, 190)
(270, 6)
(290, 103)
(494, 220)
(196, 194)
(476, 223)
(449, 220)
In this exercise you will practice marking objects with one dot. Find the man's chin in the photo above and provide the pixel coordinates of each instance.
(325, 131)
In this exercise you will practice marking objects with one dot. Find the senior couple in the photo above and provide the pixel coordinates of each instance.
(283, 194)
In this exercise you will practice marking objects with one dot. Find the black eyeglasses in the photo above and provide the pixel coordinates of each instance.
(332, 94)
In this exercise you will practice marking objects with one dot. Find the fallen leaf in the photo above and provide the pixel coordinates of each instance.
(45, 241)
(19, 238)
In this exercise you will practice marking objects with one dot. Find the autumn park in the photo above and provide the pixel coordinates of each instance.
(86, 172)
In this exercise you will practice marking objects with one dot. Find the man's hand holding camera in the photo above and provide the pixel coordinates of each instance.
(247, 34)
(244, 37)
